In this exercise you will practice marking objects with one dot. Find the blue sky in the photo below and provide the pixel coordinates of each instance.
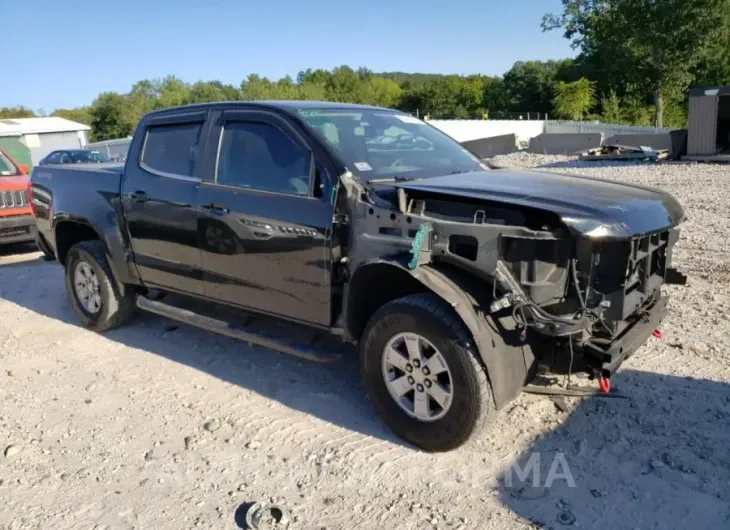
(67, 52)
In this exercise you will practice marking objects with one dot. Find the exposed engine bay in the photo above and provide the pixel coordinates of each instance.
(583, 284)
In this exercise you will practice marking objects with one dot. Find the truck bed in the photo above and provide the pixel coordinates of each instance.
(60, 192)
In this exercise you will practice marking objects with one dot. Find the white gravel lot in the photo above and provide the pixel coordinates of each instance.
(164, 427)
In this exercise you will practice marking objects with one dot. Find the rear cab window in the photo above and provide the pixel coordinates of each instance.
(170, 149)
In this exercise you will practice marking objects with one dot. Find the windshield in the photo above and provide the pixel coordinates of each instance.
(381, 144)
(7, 168)
(88, 156)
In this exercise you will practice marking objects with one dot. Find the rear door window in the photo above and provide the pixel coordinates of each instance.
(170, 149)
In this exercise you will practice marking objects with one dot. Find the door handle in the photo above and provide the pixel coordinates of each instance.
(139, 196)
(214, 207)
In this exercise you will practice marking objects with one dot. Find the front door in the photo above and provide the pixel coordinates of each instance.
(158, 199)
(264, 235)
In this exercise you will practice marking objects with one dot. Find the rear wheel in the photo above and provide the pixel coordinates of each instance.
(91, 288)
(423, 375)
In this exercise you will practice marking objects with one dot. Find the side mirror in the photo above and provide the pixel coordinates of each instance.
(24, 169)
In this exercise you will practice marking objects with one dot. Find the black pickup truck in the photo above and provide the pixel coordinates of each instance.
(371, 227)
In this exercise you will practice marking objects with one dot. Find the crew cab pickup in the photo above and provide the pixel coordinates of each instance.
(16, 222)
(370, 227)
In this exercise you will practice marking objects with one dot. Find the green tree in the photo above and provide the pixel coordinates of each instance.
(141, 99)
(228, 92)
(382, 92)
(345, 85)
(611, 108)
(714, 70)
(15, 112)
(285, 88)
(79, 115)
(173, 92)
(495, 98)
(317, 77)
(530, 85)
(574, 100)
(109, 117)
(409, 80)
(312, 91)
(255, 88)
(634, 109)
(453, 97)
(205, 92)
(657, 43)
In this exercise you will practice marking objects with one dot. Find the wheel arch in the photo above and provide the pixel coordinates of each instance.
(69, 232)
(508, 360)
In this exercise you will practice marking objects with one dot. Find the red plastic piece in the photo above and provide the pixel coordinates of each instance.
(658, 333)
(605, 385)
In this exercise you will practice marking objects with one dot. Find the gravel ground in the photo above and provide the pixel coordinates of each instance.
(165, 427)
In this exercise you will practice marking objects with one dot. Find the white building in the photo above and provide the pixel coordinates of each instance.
(28, 140)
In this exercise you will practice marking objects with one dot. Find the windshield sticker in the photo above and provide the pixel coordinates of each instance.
(359, 131)
(363, 166)
(6, 173)
(408, 119)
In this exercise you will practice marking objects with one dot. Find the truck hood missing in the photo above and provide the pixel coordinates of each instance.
(587, 206)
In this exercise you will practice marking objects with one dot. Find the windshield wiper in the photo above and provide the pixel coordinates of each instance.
(397, 178)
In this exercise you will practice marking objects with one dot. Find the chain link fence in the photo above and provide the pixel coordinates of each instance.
(560, 126)
(114, 149)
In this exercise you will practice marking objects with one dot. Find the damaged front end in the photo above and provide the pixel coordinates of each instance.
(596, 292)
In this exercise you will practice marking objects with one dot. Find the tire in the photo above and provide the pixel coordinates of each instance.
(471, 405)
(114, 309)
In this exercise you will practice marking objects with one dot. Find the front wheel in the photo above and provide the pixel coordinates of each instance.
(423, 375)
(94, 295)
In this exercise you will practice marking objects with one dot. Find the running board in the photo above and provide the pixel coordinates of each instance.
(229, 329)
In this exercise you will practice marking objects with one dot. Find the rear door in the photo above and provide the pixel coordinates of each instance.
(265, 233)
(159, 194)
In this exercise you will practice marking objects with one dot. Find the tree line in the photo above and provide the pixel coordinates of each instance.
(635, 61)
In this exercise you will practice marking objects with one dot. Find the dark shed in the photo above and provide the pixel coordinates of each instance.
(709, 121)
